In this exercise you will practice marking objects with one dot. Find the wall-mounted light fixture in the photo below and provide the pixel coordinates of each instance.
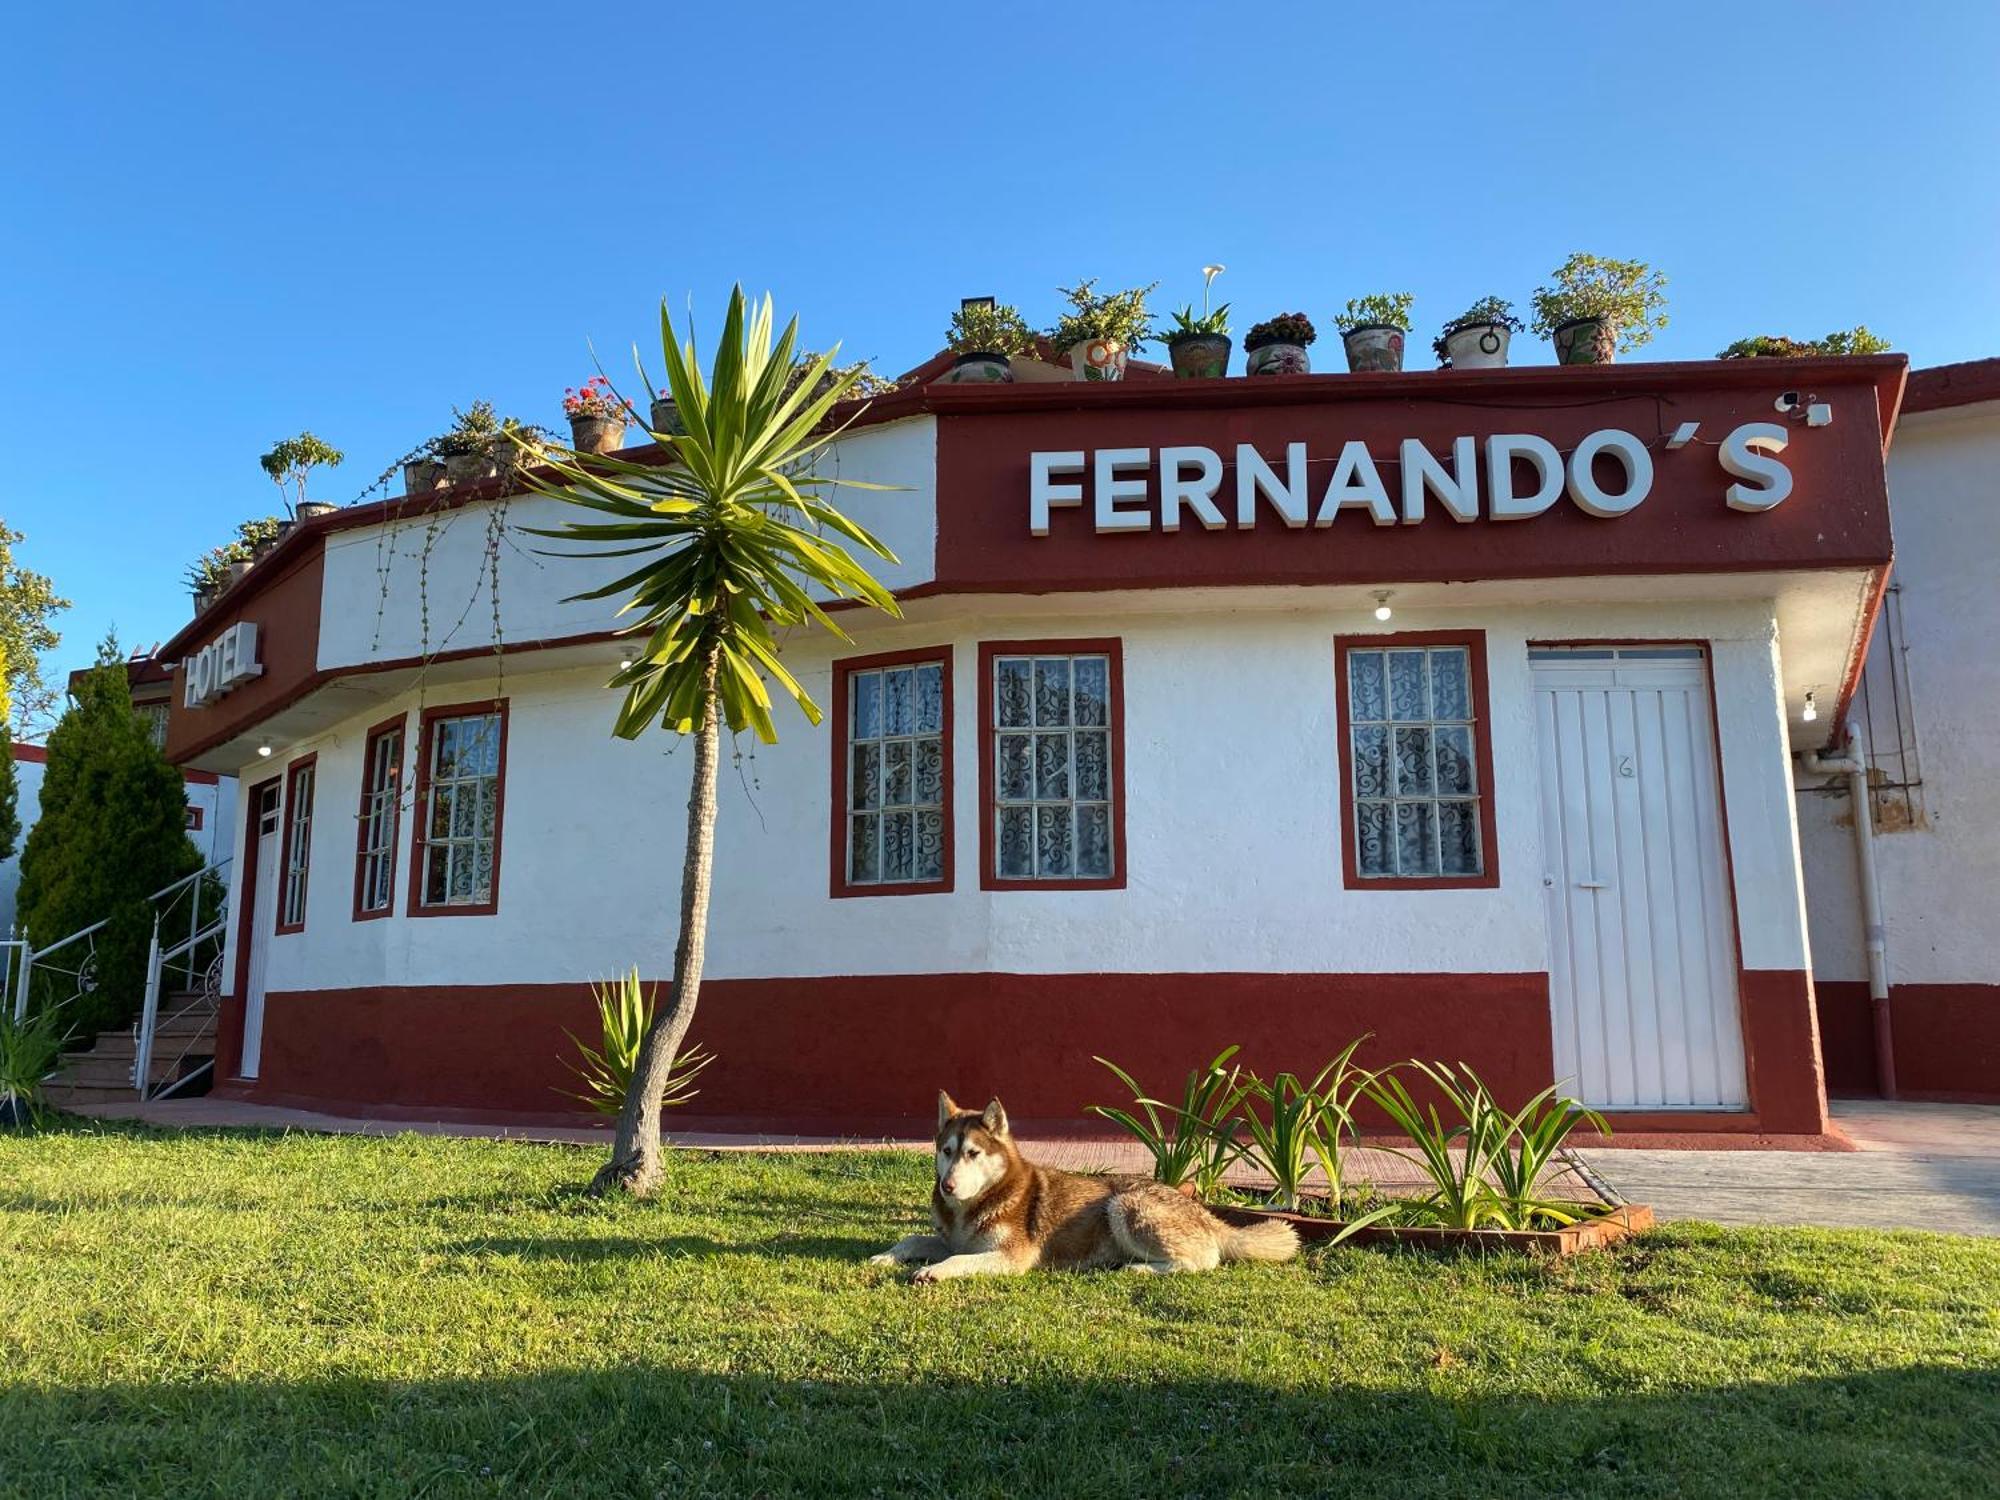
(1382, 610)
(1811, 710)
(264, 750)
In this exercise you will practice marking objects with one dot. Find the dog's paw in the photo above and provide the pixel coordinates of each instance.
(886, 1258)
(926, 1276)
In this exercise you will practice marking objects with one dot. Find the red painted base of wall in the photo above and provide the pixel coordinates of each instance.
(868, 1054)
(1947, 1039)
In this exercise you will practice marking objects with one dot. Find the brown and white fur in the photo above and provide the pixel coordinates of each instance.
(998, 1214)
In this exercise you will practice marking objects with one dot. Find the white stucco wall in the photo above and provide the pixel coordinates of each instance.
(1231, 781)
(421, 585)
(1938, 881)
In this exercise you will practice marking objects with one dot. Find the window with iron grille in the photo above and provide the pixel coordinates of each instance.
(1053, 778)
(381, 791)
(298, 845)
(1414, 763)
(459, 821)
(897, 774)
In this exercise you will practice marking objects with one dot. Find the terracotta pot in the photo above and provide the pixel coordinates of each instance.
(597, 434)
(1277, 359)
(979, 367)
(1585, 341)
(239, 570)
(1374, 349)
(464, 468)
(1098, 359)
(1199, 356)
(422, 476)
(667, 416)
(1478, 346)
(312, 510)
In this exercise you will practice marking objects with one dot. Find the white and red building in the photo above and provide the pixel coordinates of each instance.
(1142, 771)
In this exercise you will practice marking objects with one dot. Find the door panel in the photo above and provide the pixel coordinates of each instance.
(1642, 947)
(263, 913)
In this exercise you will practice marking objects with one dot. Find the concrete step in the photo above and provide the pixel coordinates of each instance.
(64, 1095)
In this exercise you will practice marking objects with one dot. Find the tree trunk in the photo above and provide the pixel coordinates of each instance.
(636, 1164)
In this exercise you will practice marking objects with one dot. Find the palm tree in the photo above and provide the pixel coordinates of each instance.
(736, 539)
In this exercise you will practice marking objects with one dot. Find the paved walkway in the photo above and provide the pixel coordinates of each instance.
(1917, 1166)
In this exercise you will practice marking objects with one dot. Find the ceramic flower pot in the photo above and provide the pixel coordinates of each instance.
(15, 1113)
(1374, 348)
(597, 434)
(422, 476)
(1098, 359)
(202, 601)
(239, 570)
(1199, 356)
(1585, 341)
(310, 510)
(1277, 359)
(465, 468)
(666, 416)
(978, 367)
(1478, 346)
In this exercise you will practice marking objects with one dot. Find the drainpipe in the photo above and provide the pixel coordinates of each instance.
(1850, 765)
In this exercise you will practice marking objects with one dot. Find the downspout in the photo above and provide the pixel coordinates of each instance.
(1850, 765)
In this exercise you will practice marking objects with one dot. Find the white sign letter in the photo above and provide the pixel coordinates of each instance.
(1254, 475)
(1043, 491)
(1501, 451)
(1583, 486)
(1196, 492)
(1744, 455)
(1355, 482)
(1457, 490)
(1111, 489)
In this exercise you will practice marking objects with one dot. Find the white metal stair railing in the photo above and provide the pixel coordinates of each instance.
(78, 966)
(194, 916)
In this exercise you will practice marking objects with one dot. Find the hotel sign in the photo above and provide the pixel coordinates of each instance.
(228, 661)
(1508, 476)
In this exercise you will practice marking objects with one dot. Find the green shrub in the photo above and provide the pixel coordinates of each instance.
(624, 1013)
(1626, 293)
(1382, 309)
(1116, 317)
(1855, 340)
(989, 328)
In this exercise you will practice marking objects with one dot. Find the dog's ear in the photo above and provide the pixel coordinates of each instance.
(995, 1118)
(946, 1109)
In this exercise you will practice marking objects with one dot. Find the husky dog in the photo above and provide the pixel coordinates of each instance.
(998, 1214)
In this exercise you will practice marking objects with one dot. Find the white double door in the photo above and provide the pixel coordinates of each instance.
(1642, 961)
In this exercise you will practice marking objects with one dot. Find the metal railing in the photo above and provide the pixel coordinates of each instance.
(193, 916)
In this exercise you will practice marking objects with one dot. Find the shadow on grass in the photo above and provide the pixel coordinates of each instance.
(639, 1247)
(646, 1430)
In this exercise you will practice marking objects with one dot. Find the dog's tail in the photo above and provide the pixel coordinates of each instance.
(1270, 1240)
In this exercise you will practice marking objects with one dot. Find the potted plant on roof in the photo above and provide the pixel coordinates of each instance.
(1277, 346)
(1374, 329)
(1855, 340)
(1198, 347)
(1098, 333)
(1477, 338)
(470, 449)
(423, 470)
(984, 334)
(597, 416)
(1598, 309)
(290, 462)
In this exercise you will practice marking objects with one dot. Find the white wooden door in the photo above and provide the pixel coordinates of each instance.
(1642, 944)
(263, 913)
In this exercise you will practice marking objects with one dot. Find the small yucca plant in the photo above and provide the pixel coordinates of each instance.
(624, 1012)
(30, 1050)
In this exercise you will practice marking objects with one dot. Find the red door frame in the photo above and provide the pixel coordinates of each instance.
(229, 1059)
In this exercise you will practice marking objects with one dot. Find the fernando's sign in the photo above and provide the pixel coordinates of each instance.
(228, 661)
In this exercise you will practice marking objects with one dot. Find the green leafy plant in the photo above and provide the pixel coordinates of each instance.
(1485, 1164)
(1380, 309)
(1855, 340)
(1191, 1141)
(290, 462)
(1628, 294)
(735, 545)
(990, 328)
(1496, 312)
(1115, 317)
(1187, 321)
(29, 1052)
(1304, 1125)
(209, 573)
(1285, 328)
(624, 1012)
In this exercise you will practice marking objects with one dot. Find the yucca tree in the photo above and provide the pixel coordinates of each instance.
(735, 539)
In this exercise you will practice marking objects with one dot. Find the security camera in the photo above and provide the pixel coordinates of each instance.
(1787, 401)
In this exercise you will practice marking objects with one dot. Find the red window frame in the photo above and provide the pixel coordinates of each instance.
(1113, 649)
(375, 733)
(1474, 642)
(293, 770)
(420, 806)
(838, 885)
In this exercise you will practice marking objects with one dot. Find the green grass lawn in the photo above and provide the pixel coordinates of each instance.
(256, 1316)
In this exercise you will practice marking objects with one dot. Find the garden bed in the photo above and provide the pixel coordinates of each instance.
(1607, 1225)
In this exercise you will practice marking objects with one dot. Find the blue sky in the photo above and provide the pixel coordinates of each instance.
(222, 224)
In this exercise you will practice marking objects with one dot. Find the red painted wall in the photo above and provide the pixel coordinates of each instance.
(1947, 1039)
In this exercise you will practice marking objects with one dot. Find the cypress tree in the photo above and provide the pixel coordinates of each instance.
(112, 830)
(10, 788)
